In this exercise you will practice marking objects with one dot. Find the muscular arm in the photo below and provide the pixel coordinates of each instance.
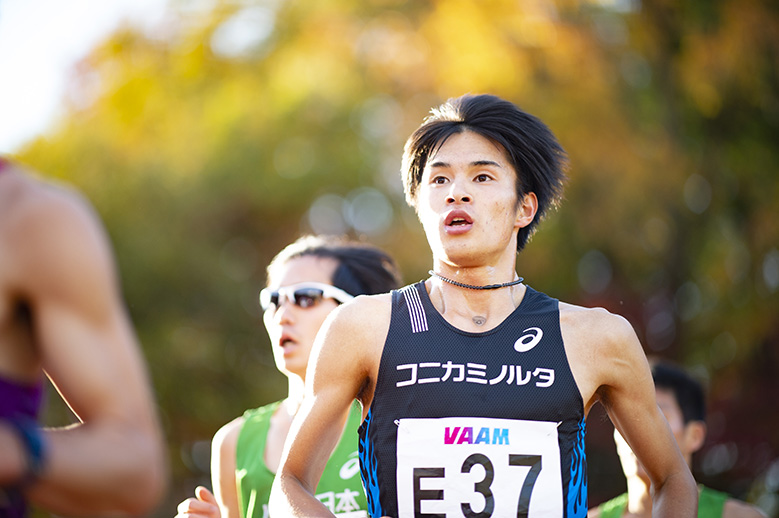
(341, 364)
(113, 459)
(627, 391)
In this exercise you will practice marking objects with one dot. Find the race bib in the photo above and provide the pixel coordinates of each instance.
(478, 467)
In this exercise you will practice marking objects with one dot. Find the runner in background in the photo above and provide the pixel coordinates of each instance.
(681, 399)
(306, 281)
(62, 316)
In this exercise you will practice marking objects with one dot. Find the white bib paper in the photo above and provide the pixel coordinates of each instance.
(478, 467)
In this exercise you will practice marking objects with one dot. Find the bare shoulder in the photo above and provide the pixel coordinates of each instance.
(44, 215)
(602, 347)
(225, 441)
(738, 509)
(367, 304)
(48, 221)
(28, 200)
(592, 335)
(226, 438)
(366, 317)
(594, 323)
(358, 329)
(223, 462)
(350, 344)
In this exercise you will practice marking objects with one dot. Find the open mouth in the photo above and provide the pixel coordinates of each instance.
(458, 220)
(289, 347)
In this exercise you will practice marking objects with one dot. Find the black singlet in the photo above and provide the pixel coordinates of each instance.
(474, 424)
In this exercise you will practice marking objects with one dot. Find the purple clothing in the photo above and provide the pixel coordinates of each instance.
(17, 401)
(20, 400)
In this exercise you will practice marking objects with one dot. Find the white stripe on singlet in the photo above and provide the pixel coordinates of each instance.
(415, 309)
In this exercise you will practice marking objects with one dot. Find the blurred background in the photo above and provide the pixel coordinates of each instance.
(209, 134)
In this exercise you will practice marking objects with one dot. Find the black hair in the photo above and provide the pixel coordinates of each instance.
(363, 269)
(530, 146)
(687, 391)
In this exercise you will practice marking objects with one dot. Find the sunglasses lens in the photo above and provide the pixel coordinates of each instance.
(307, 297)
(269, 298)
(303, 297)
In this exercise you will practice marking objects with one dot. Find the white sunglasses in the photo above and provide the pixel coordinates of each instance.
(303, 295)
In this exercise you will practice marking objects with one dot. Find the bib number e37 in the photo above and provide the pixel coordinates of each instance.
(477, 468)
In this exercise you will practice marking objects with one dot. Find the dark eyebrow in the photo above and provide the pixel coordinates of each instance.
(438, 164)
(485, 162)
(477, 163)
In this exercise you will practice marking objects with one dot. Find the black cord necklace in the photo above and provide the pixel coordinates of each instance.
(472, 287)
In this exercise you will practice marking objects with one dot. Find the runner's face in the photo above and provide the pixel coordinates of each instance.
(467, 201)
(291, 328)
(673, 414)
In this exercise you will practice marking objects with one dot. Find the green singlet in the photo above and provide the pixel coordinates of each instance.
(710, 504)
(340, 487)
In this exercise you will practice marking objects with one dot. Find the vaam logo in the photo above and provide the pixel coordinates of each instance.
(467, 435)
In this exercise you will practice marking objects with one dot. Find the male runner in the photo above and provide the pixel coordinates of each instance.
(475, 387)
(682, 401)
(61, 314)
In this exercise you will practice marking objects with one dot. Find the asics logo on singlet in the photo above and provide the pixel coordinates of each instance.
(530, 338)
(350, 468)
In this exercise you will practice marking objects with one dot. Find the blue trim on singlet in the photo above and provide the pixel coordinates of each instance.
(577, 484)
(368, 463)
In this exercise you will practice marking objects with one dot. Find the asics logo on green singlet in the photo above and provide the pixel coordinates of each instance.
(351, 467)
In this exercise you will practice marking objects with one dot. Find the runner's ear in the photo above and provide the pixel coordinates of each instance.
(526, 210)
(695, 435)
